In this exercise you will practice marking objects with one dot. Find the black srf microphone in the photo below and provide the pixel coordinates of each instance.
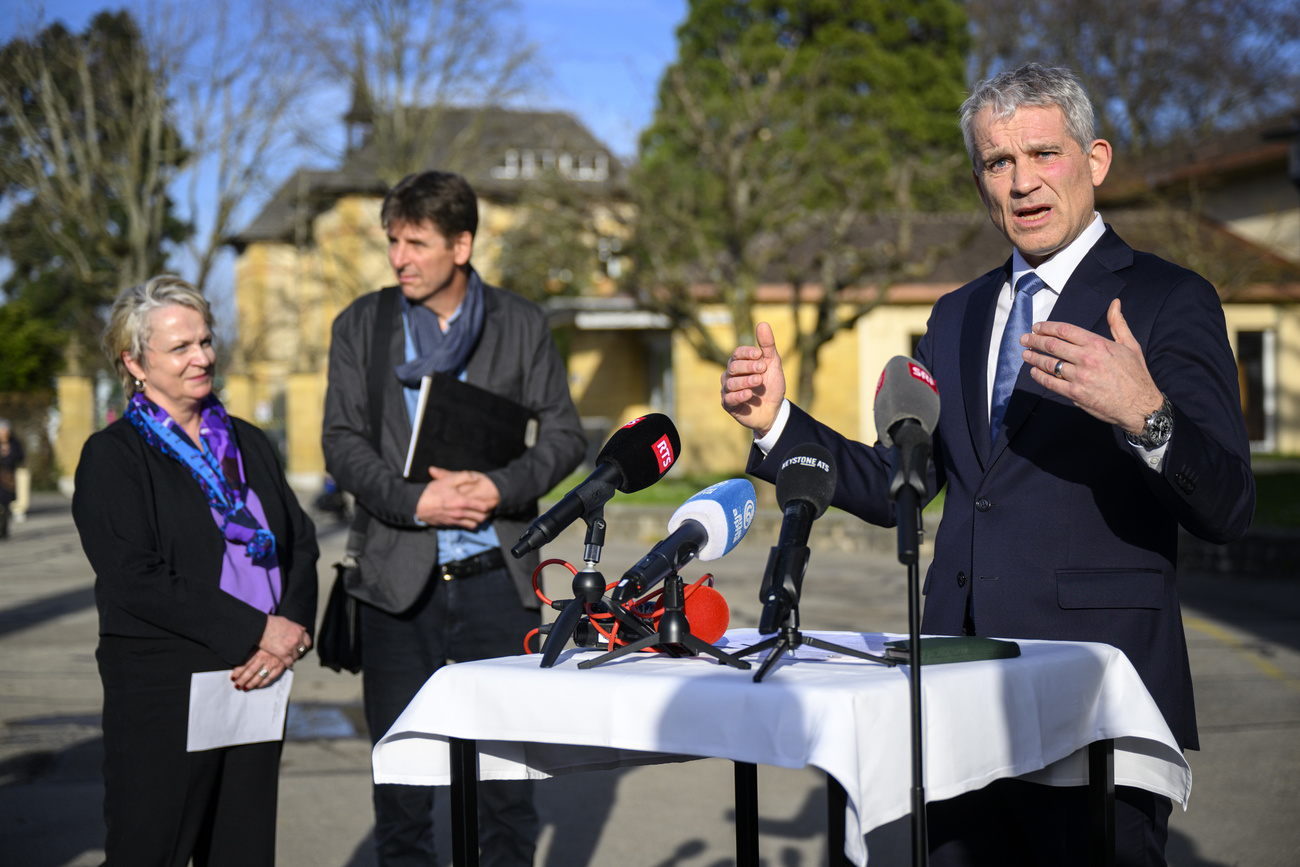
(805, 484)
(635, 457)
(906, 410)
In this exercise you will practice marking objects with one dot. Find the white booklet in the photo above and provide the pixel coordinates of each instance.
(222, 716)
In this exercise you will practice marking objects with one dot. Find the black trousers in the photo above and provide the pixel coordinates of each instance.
(1012, 823)
(163, 805)
(453, 621)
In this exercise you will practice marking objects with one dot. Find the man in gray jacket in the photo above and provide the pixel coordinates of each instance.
(435, 585)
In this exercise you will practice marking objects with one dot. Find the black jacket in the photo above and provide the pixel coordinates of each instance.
(147, 530)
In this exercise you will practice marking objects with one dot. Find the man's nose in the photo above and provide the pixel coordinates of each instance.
(1024, 179)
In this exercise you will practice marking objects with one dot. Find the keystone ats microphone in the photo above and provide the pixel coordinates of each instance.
(706, 526)
(635, 457)
(805, 484)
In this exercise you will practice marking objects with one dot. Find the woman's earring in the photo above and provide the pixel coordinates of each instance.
(139, 385)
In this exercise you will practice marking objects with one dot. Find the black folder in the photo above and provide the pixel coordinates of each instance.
(459, 426)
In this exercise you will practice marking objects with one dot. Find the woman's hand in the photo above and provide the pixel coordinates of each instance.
(262, 669)
(283, 643)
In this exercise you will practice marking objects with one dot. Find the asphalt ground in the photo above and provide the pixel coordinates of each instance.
(1243, 632)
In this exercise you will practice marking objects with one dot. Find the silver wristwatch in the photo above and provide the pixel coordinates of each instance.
(1158, 429)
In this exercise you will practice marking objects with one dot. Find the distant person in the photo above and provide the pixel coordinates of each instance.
(203, 562)
(11, 458)
(1071, 452)
(435, 585)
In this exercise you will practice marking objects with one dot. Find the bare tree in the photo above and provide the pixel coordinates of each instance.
(411, 60)
(89, 155)
(240, 100)
(1158, 71)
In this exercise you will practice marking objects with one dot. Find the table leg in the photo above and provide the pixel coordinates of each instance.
(1101, 802)
(464, 802)
(837, 801)
(746, 814)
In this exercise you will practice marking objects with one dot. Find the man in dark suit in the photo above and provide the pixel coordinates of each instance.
(1067, 481)
(435, 585)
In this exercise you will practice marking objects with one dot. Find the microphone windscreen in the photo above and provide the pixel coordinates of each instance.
(707, 612)
(642, 450)
(906, 390)
(808, 473)
(725, 510)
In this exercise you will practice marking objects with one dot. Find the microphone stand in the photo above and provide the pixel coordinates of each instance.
(782, 605)
(588, 589)
(911, 457)
(673, 633)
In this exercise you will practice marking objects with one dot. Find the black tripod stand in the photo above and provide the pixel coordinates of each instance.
(588, 589)
(781, 605)
(673, 635)
(789, 638)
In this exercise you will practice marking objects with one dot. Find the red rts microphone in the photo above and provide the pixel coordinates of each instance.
(635, 457)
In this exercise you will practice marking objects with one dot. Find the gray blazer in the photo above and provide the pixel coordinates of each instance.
(515, 358)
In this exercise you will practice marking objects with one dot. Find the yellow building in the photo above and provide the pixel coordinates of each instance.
(319, 244)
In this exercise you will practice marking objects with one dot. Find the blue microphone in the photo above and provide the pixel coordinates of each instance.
(706, 526)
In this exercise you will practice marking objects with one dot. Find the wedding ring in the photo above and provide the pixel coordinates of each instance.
(302, 648)
(1057, 370)
(264, 673)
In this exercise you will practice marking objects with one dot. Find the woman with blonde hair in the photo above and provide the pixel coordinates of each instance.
(203, 561)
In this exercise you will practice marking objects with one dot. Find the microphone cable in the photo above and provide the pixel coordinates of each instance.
(636, 607)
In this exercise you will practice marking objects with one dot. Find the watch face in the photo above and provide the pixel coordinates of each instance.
(1160, 425)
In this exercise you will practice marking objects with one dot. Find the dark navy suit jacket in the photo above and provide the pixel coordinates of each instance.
(1058, 529)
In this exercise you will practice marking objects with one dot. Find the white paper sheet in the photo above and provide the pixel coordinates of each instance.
(222, 716)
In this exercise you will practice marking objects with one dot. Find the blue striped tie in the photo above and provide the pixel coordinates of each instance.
(1019, 322)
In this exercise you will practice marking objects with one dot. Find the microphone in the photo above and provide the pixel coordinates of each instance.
(805, 484)
(907, 409)
(706, 526)
(635, 457)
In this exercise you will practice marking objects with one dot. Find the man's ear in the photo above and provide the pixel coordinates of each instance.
(1099, 157)
(462, 248)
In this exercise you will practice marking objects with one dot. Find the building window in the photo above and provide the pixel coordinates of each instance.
(1257, 377)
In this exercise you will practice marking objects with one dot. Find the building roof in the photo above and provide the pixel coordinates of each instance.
(1223, 157)
(508, 150)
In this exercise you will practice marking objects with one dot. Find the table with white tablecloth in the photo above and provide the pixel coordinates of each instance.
(1031, 716)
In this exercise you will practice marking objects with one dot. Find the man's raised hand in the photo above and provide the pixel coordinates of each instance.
(753, 383)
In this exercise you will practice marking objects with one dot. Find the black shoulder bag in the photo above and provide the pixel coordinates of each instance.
(339, 641)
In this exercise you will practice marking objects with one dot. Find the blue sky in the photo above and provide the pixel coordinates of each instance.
(606, 56)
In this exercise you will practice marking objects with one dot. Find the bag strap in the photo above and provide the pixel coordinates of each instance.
(379, 364)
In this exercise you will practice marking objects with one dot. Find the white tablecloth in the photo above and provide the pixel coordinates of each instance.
(1030, 716)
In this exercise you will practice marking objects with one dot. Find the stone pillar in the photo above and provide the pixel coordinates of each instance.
(76, 401)
(304, 412)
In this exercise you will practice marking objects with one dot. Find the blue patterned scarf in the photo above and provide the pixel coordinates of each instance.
(159, 430)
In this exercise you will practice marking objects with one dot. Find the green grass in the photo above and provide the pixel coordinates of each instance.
(1277, 499)
(671, 490)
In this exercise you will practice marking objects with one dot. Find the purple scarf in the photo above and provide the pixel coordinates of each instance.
(249, 570)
